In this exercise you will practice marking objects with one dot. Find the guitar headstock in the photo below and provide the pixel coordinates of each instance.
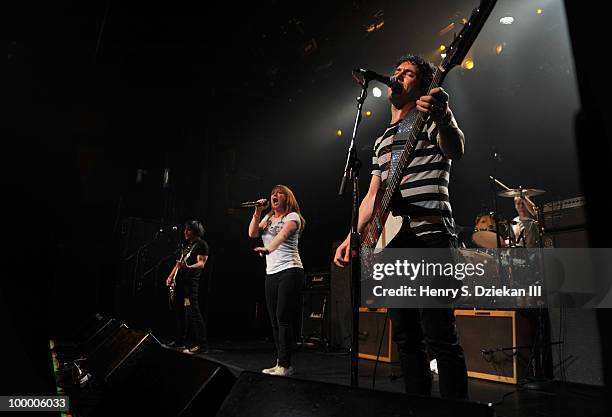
(457, 51)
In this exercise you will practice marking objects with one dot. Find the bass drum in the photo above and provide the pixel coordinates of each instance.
(486, 233)
(489, 278)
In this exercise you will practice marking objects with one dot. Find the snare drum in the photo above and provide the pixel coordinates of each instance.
(485, 233)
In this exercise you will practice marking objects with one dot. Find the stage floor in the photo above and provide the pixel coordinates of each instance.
(311, 363)
(559, 400)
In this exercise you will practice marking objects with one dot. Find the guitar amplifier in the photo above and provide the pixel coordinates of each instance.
(497, 344)
(564, 214)
(371, 326)
(565, 224)
(317, 281)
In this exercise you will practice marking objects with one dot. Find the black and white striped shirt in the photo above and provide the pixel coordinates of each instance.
(424, 185)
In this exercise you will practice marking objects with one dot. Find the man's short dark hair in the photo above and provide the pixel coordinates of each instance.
(426, 69)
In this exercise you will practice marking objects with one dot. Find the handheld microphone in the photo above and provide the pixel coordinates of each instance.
(247, 204)
(368, 75)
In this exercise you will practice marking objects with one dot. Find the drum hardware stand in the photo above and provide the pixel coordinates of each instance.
(541, 381)
(502, 272)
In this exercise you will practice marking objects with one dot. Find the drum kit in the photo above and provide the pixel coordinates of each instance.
(491, 232)
(495, 240)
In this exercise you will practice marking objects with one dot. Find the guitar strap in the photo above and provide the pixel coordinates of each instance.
(186, 255)
(400, 138)
(397, 147)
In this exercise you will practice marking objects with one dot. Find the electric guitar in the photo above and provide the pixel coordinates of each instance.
(174, 273)
(383, 226)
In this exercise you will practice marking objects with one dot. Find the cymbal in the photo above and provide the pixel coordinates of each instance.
(520, 192)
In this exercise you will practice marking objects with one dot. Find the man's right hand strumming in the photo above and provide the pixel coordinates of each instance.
(365, 213)
(342, 253)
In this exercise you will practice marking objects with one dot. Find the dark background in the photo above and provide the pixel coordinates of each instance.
(233, 99)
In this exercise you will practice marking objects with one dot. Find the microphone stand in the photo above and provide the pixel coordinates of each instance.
(351, 172)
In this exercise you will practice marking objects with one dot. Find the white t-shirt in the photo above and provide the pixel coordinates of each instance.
(286, 255)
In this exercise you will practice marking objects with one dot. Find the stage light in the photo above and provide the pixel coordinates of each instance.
(376, 23)
(443, 55)
(442, 48)
(468, 64)
(539, 11)
(506, 20)
(447, 29)
(368, 113)
(376, 92)
(499, 48)
(339, 133)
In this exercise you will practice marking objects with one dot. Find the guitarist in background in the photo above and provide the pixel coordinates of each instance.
(190, 325)
(428, 222)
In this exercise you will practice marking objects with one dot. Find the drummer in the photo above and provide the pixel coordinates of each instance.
(524, 226)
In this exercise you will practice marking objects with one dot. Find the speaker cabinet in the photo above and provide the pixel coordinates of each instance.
(568, 238)
(101, 331)
(315, 317)
(103, 361)
(134, 375)
(579, 356)
(259, 395)
(341, 315)
(371, 326)
(163, 382)
(497, 344)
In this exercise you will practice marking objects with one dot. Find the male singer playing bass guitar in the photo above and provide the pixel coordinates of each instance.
(428, 221)
(190, 324)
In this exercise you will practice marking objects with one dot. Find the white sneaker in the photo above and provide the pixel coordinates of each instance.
(193, 350)
(282, 371)
(270, 370)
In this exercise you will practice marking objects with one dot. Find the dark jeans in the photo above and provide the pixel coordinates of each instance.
(417, 331)
(190, 324)
(283, 300)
